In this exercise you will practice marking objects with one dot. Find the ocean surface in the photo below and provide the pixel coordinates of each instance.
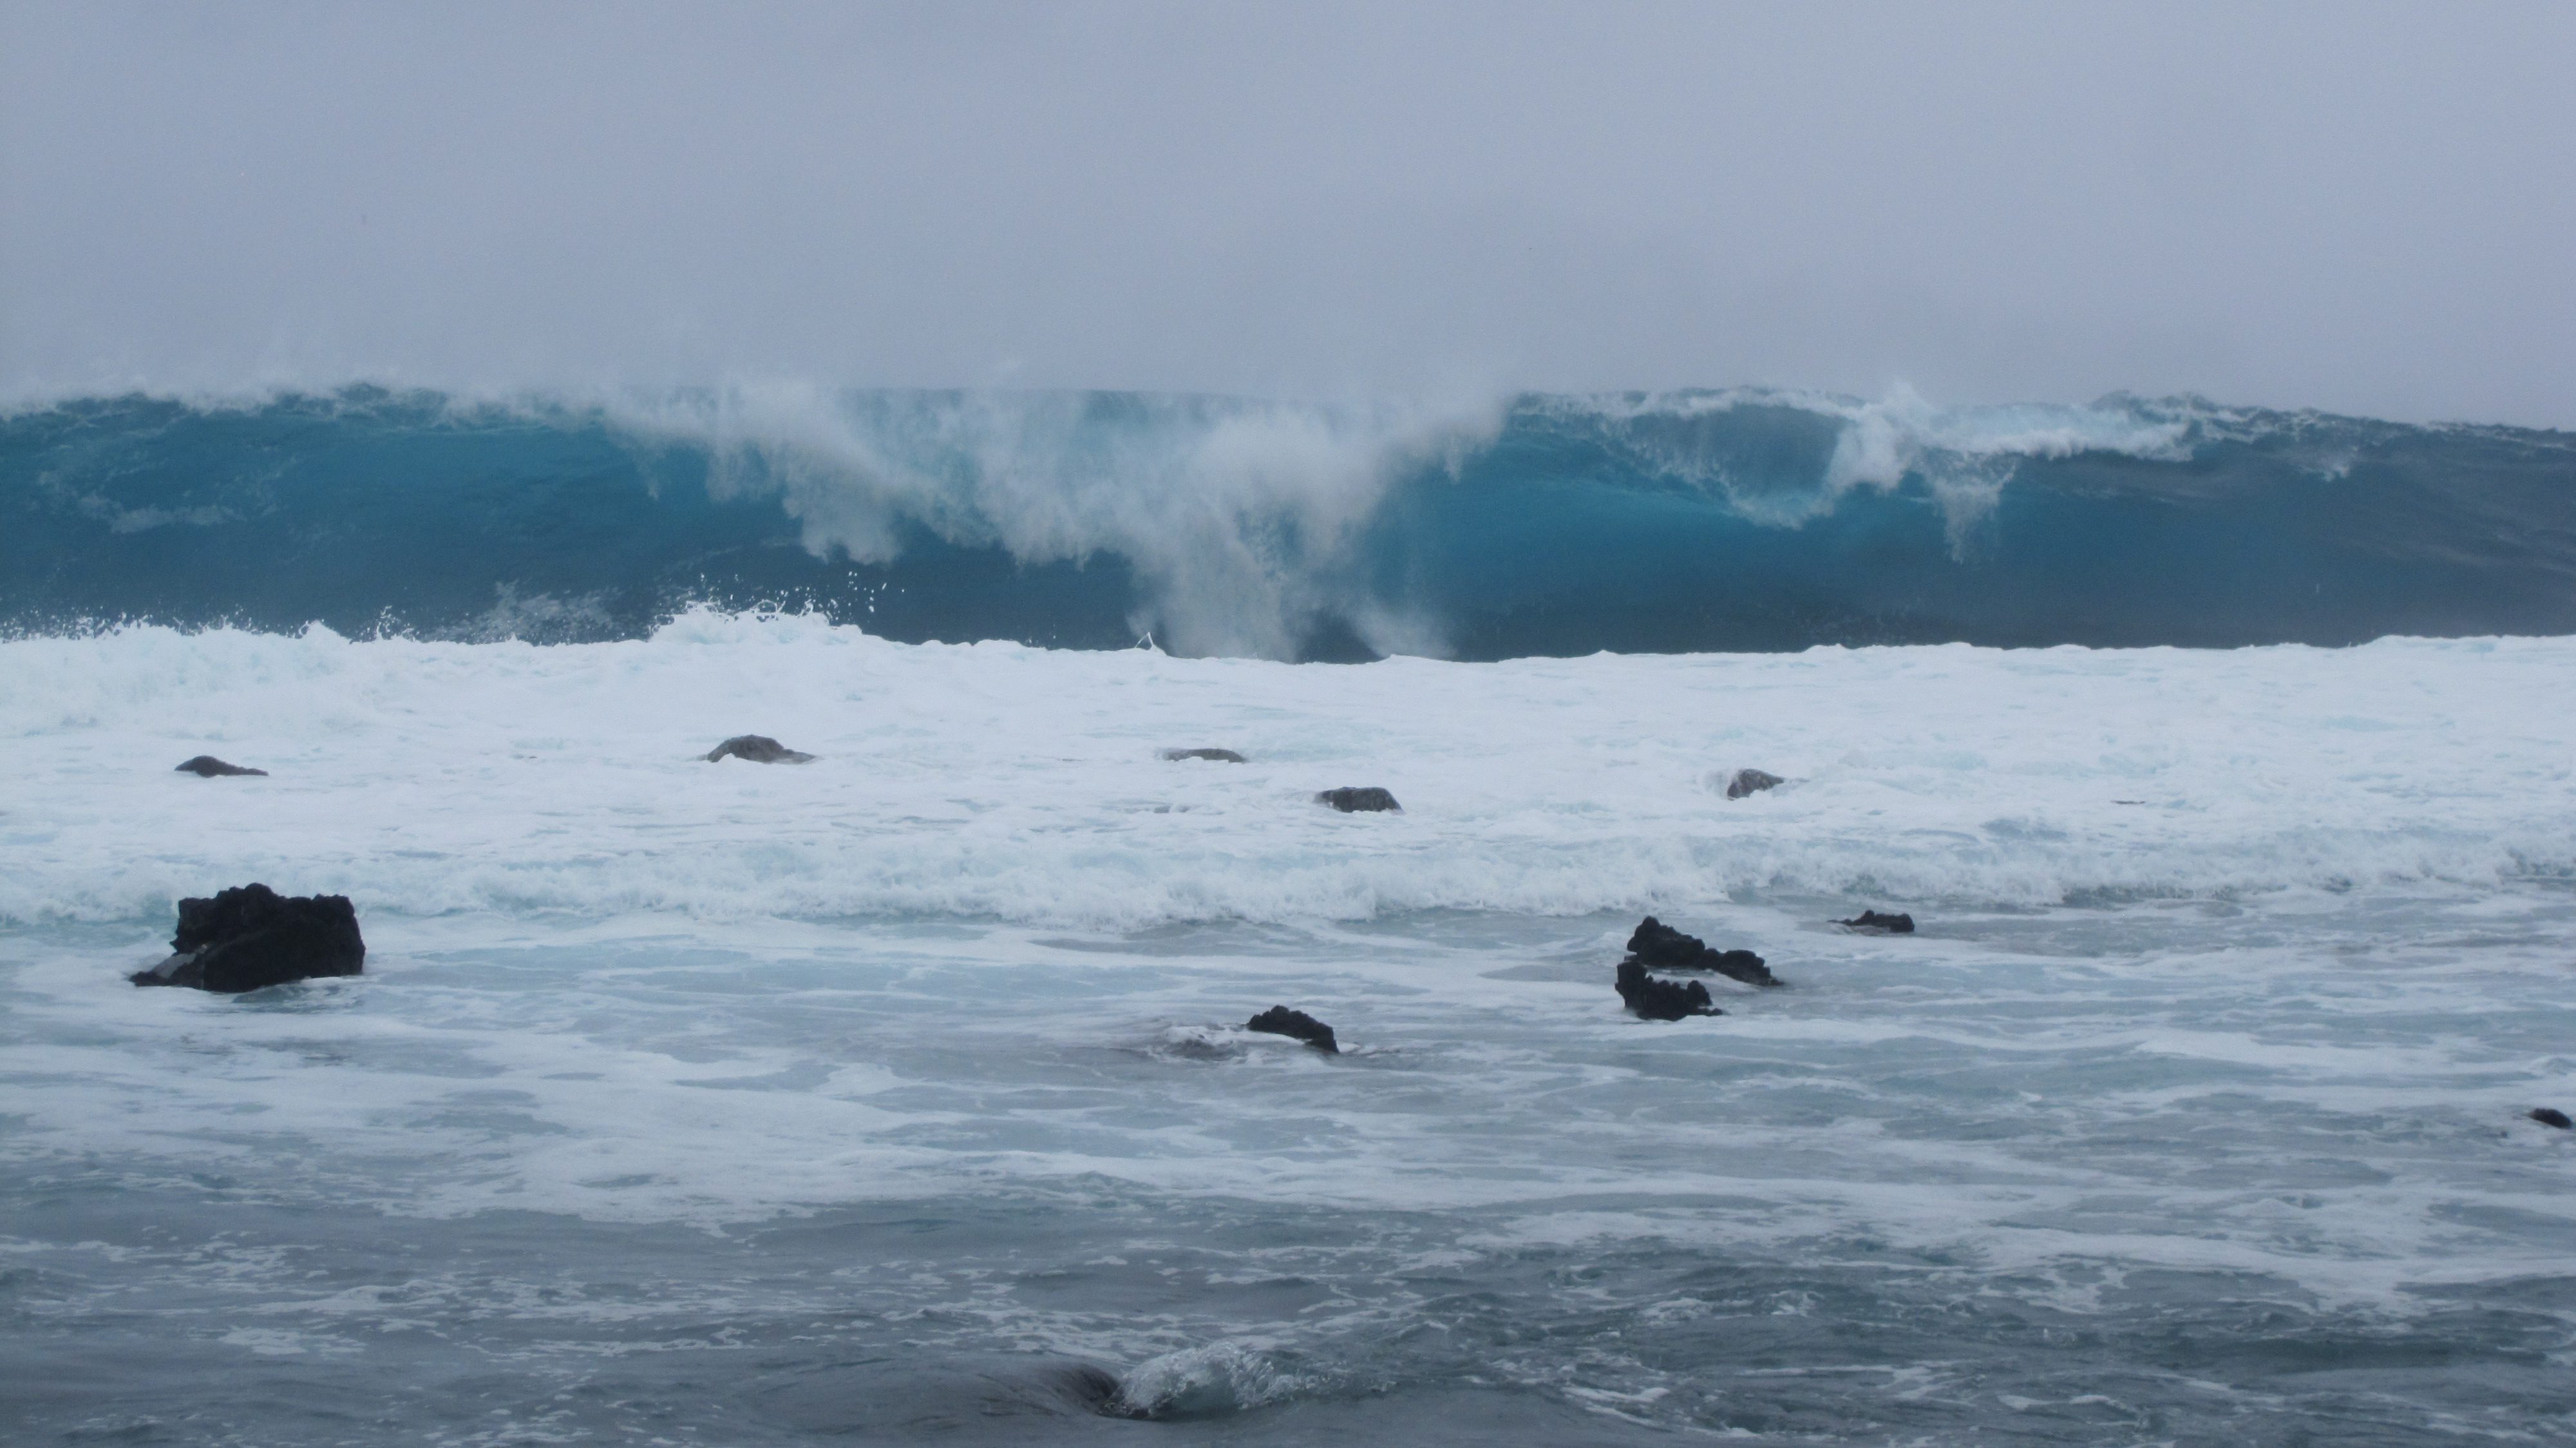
(902, 1096)
(1539, 525)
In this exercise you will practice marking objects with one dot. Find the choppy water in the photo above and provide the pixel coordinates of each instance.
(897, 1097)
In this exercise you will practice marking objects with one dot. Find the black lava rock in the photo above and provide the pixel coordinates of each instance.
(1221, 756)
(1351, 799)
(1662, 1000)
(759, 749)
(207, 766)
(1281, 1021)
(251, 936)
(1664, 948)
(1877, 924)
(2551, 1116)
(1751, 781)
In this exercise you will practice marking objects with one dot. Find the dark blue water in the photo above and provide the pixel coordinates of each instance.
(1749, 521)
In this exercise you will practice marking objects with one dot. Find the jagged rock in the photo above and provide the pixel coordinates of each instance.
(207, 766)
(1221, 756)
(759, 749)
(1877, 924)
(2551, 1116)
(1664, 948)
(1357, 799)
(251, 936)
(1662, 1000)
(1751, 781)
(1281, 1021)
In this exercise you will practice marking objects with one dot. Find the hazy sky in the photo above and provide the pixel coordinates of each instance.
(2335, 205)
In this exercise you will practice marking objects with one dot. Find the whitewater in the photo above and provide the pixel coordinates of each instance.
(903, 1095)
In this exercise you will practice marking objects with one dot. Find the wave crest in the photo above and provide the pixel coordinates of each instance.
(1745, 519)
(1241, 519)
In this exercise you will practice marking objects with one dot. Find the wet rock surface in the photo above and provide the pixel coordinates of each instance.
(1281, 1021)
(1221, 756)
(1661, 947)
(250, 936)
(1877, 924)
(1359, 799)
(2551, 1116)
(1752, 781)
(759, 749)
(1662, 1000)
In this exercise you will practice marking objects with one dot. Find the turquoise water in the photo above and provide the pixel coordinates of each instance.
(1694, 521)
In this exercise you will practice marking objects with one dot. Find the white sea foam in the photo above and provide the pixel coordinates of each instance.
(991, 946)
(1024, 785)
(1222, 1377)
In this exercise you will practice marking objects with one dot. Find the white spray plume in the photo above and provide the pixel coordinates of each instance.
(1240, 518)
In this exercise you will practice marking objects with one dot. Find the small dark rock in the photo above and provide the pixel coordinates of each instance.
(1664, 948)
(1751, 781)
(1877, 924)
(251, 936)
(759, 749)
(1662, 1000)
(1281, 1021)
(1221, 756)
(2551, 1116)
(1359, 799)
(207, 766)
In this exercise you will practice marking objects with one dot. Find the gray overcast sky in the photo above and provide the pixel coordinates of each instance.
(2370, 209)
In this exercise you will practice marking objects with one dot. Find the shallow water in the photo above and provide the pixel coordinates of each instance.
(2014, 1178)
(656, 1118)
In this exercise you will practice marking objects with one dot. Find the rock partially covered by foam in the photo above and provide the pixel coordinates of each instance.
(1359, 799)
(2551, 1116)
(1662, 947)
(1751, 781)
(1281, 1021)
(759, 749)
(207, 766)
(1218, 1379)
(1662, 1000)
(250, 936)
(1221, 756)
(1878, 924)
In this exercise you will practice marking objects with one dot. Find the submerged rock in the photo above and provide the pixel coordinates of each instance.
(1751, 781)
(251, 936)
(1877, 924)
(2551, 1116)
(1221, 756)
(759, 749)
(1212, 1380)
(1095, 1390)
(1662, 1000)
(1664, 948)
(1281, 1021)
(1359, 799)
(207, 766)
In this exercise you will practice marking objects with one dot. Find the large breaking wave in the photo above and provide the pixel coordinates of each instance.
(1734, 520)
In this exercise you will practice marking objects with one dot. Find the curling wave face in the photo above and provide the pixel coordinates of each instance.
(1707, 521)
